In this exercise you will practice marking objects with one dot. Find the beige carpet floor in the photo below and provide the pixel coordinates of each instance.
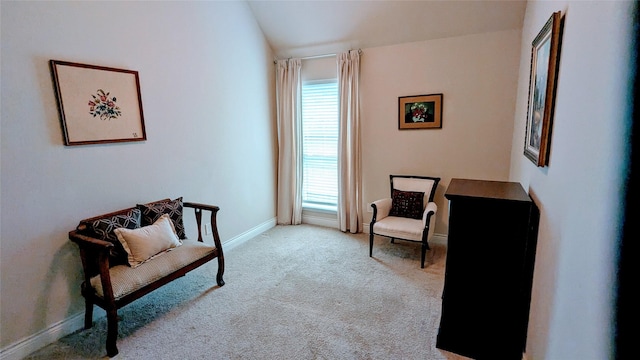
(293, 292)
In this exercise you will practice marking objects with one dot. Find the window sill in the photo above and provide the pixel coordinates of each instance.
(327, 209)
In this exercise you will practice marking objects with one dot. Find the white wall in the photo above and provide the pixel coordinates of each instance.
(477, 76)
(580, 192)
(207, 81)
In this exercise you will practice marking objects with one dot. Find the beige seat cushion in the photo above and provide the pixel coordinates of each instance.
(398, 227)
(125, 279)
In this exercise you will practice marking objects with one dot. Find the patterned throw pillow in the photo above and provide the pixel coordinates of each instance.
(408, 204)
(104, 228)
(152, 212)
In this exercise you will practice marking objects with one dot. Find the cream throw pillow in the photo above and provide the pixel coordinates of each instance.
(145, 243)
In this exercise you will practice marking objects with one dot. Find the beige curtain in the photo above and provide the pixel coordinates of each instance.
(288, 86)
(349, 158)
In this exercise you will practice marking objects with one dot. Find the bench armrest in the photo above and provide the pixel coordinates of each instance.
(94, 254)
(198, 208)
(194, 205)
(89, 242)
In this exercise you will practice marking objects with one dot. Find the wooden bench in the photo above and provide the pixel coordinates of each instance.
(111, 282)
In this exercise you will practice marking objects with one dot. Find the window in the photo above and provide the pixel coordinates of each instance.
(320, 145)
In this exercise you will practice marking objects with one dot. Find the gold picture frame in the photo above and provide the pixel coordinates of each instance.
(420, 112)
(545, 54)
(98, 104)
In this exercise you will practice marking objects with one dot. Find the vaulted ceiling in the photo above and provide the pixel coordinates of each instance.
(313, 27)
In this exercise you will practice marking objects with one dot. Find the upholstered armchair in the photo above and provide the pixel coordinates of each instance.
(409, 214)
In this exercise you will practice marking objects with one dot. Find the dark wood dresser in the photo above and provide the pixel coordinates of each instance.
(493, 228)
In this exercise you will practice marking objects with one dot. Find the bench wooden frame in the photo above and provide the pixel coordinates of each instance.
(95, 254)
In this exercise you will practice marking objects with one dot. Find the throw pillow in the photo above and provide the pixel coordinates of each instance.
(104, 228)
(146, 242)
(152, 212)
(409, 204)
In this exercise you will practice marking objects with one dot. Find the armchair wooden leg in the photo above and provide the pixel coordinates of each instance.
(370, 244)
(425, 246)
(112, 332)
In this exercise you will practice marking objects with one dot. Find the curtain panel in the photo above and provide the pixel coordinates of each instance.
(288, 88)
(349, 153)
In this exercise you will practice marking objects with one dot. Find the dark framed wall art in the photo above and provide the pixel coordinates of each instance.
(545, 53)
(98, 104)
(420, 112)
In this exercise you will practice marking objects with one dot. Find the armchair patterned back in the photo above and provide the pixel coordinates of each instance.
(424, 184)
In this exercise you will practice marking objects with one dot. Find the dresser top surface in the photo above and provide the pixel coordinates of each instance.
(468, 188)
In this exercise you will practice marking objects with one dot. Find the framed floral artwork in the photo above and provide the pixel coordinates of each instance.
(420, 112)
(98, 104)
(545, 53)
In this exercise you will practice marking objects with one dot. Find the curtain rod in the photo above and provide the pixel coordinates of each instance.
(317, 56)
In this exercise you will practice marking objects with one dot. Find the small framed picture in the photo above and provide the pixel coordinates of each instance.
(98, 104)
(545, 53)
(420, 112)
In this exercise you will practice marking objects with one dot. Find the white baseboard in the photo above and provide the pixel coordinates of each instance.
(248, 235)
(440, 239)
(57, 331)
(26, 346)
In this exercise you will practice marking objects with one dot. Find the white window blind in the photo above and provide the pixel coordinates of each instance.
(320, 145)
